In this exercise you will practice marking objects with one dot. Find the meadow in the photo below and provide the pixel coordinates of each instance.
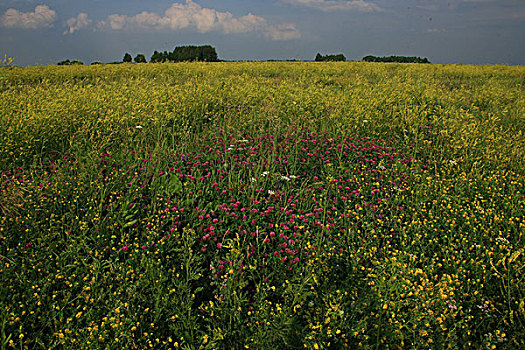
(262, 205)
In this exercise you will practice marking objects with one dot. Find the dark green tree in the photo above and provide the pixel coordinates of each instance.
(140, 58)
(395, 59)
(334, 58)
(69, 63)
(204, 53)
(127, 57)
(158, 57)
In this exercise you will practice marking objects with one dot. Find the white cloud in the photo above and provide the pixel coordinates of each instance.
(43, 17)
(283, 32)
(76, 23)
(337, 5)
(190, 15)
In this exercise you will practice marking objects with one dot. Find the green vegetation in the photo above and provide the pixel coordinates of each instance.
(140, 58)
(327, 58)
(262, 205)
(127, 58)
(396, 59)
(204, 53)
(69, 63)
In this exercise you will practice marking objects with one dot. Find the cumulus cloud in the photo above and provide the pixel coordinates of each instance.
(337, 5)
(190, 15)
(42, 17)
(76, 23)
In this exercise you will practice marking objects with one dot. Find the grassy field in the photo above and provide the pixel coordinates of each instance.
(262, 205)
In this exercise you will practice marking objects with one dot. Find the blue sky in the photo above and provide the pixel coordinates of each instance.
(445, 31)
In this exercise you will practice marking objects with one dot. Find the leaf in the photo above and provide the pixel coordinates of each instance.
(514, 256)
(131, 223)
(170, 183)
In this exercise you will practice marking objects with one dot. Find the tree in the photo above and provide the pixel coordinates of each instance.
(395, 59)
(157, 57)
(339, 57)
(140, 58)
(369, 58)
(204, 53)
(127, 57)
(69, 63)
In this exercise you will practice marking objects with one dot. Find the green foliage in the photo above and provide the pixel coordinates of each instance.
(127, 58)
(67, 62)
(396, 59)
(327, 58)
(204, 53)
(140, 58)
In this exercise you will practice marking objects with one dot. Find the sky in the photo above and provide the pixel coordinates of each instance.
(444, 31)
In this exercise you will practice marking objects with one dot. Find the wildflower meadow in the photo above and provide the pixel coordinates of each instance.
(253, 205)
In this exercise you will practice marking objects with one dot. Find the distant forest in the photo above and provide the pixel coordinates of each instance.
(204, 53)
(207, 53)
(330, 58)
(397, 59)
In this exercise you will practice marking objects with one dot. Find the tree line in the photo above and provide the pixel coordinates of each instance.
(397, 59)
(205, 53)
(69, 63)
(330, 58)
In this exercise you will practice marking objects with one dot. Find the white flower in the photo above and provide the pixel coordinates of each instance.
(138, 127)
(380, 167)
(285, 178)
(365, 120)
(270, 192)
(252, 179)
(293, 177)
(265, 173)
(502, 240)
(453, 162)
